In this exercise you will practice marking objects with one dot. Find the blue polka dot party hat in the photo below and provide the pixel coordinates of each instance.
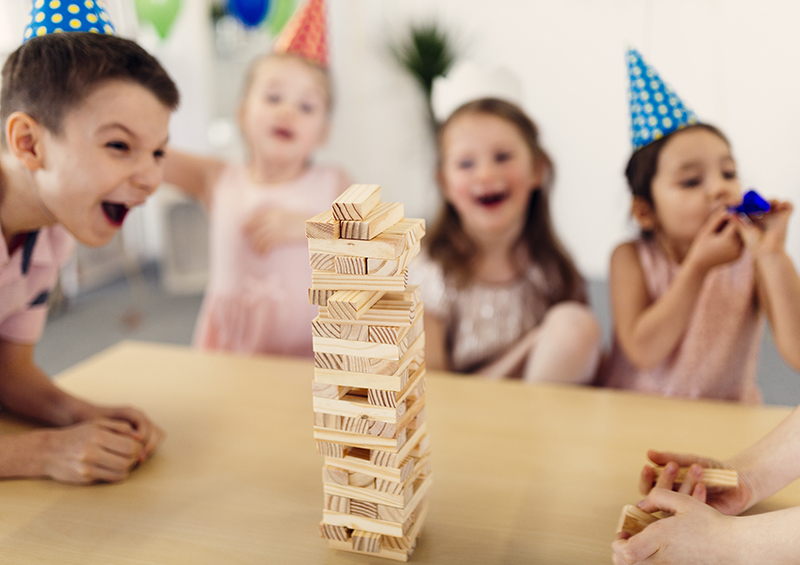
(57, 16)
(656, 110)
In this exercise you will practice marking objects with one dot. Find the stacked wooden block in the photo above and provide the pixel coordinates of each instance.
(369, 379)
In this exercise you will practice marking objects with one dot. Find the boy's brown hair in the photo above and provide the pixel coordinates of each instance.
(48, 76)
(450, 246)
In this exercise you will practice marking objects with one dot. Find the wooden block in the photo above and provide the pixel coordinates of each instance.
(353, 332)
(335, 475)
(322, 261)
(356, 407)
(350, 265)
(319, 297)
(367, 542)
(343, 423)
(385, 458)
(358, 348)
(330, 449)
(361, 480)
(359, 460)
(381, 314)
(396, 381)
(395, 398)
(717, 478)
(389, 245)
(390, 513)
(338, 533)
(633, 520)
(337, 504)
(362, 508)
(324, 280)
(379, 220)
(373, 365)
(356, 202)
(323, 226)
(326, 329)
(351, 304)
(388, 267)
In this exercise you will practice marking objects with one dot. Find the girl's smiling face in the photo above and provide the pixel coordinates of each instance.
(488, 173)
(106, 160)
(695, 175)
(284, 115)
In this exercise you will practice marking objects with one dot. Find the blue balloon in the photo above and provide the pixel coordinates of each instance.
(250, 12)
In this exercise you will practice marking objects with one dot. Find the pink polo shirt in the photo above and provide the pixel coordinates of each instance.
(26, 278)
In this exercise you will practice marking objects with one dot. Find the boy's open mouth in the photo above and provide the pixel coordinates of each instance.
(492, 199)
(115, 212)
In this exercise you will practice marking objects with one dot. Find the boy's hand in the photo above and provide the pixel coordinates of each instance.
(718, 242)
(99, 450)
(144, 430)
(730, 501)
(695, 534)
(766, 234)
(269, 226)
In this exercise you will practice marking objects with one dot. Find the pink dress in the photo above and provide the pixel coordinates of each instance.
(718, 355)
(259, 303)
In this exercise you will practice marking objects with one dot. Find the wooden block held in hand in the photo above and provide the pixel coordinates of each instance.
(716, 478)
(633, 519)
(356, 202)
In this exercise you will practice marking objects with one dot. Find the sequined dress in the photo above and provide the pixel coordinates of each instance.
(482, 321)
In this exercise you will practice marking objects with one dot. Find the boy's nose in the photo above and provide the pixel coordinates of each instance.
(149, 177)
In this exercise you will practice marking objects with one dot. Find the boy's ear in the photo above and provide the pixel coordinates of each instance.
(644, 214)
(24, 138)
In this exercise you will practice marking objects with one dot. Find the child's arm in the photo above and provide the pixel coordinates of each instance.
(194, 175)
(778, 281)
(510, 363)
(101, 443)
(649, 332)
(700, 535)
(269, 226)
(435, 348)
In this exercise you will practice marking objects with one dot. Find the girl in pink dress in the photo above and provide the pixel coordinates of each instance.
(689, 294)
(257, 296)
(502, 296)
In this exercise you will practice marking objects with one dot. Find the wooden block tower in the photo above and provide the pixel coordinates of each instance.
(369, 376)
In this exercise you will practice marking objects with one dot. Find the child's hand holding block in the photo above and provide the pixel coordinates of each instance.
(633, 519)
(715, 478)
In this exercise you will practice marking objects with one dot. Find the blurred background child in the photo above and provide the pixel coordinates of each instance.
(688, 295)
(85, 122)
(502, 296)
(257, 297)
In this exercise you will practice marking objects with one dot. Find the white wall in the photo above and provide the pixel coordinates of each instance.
(731, 61)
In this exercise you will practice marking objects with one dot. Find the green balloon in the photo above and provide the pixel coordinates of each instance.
(160, 13)
(280, 11)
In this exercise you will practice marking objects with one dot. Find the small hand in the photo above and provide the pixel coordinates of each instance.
(718, 242)
(270, 226)
(728, 501)
(695, 533)
(767, 233)
(97, 450)
(144, 429)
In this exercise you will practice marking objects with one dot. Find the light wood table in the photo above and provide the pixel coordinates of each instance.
(522, 474)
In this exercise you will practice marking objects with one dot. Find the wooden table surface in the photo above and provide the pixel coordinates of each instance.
(522, 474)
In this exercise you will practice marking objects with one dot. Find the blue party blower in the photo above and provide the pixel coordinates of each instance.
(752, 205)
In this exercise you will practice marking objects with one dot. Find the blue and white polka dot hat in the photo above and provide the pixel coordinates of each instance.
(655, 108)
(56, 16)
